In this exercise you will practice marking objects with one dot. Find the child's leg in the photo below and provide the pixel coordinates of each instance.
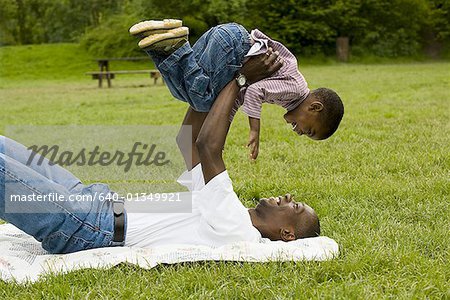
(197, 74)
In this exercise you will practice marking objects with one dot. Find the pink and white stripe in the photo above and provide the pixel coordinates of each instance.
(287, 87)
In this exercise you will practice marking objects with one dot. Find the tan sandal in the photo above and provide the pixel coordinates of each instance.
(147, 28)
(170, 40)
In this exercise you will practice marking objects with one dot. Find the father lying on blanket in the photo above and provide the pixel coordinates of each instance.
(217, 217)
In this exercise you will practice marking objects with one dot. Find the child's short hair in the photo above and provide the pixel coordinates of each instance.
(333, 109)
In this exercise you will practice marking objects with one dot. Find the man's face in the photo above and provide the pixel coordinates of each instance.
(306, 121)
(281, 213)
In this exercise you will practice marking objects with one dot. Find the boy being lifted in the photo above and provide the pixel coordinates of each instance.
(197, 74)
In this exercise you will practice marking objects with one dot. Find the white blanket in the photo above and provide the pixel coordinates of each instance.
(23, 259)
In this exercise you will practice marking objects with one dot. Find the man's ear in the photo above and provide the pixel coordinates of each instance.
(316, 106)
(287, 234)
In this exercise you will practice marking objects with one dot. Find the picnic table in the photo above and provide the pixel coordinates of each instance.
(105, 73)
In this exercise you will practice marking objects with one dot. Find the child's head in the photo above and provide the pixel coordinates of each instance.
(318, 116)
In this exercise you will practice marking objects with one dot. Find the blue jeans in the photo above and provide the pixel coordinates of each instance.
(61, 226)
(197, 74)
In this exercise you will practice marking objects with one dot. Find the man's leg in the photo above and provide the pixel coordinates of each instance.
(197, 74)
(54, 173)
(62, 226)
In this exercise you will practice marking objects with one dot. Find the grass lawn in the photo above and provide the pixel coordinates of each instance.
(380, 185)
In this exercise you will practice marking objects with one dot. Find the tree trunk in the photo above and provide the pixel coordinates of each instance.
(21, 21)
(342, 48)
(433, 47)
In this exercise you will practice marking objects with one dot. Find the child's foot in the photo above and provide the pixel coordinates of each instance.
(165, 43)
(147, 28)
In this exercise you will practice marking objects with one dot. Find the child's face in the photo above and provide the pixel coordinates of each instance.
(305, 120)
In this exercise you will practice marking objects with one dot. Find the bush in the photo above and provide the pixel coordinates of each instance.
(112, 39)
(382, 28)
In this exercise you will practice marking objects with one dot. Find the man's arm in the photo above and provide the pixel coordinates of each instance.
(213, 133)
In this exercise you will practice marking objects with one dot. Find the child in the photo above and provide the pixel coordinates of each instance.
(197, 74)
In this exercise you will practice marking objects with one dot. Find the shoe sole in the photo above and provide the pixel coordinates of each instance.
(145, 34)
(163, 40)
(154, 26)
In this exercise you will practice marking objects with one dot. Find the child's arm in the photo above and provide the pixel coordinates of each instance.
(253, 142)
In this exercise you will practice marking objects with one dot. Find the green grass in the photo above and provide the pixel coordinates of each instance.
(380, 184)
(53, 62)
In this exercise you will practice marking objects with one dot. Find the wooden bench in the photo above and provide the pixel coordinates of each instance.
(112, 74)
(105, 73)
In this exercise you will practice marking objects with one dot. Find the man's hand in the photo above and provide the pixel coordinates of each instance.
(253, 144)
(261, 66)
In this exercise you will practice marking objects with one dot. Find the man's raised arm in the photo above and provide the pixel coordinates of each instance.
(214, 131)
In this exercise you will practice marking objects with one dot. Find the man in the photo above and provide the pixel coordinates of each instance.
(217, 217)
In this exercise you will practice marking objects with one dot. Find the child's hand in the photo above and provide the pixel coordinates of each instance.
(253, 144)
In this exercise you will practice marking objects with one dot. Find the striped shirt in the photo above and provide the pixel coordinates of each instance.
(286, 87)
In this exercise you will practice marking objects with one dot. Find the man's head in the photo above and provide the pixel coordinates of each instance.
(318, 116)
(283, 219)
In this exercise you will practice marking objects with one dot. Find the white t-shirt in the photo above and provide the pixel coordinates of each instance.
(218, 217)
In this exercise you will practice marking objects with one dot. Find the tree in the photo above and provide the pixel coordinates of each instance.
(306, 27)
(8, 22)
(43, 21)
